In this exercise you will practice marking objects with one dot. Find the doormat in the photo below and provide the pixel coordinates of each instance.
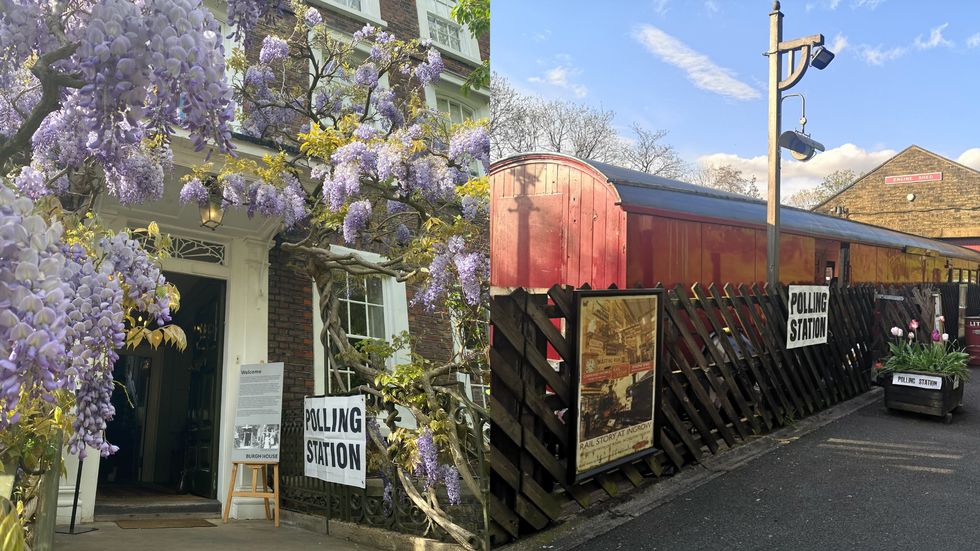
(164, 523)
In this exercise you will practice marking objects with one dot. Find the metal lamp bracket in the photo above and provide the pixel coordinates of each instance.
(798, 69)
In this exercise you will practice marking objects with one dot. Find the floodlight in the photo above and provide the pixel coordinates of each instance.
(800, 145)
(821, 57)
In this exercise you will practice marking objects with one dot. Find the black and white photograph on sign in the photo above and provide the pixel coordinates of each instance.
(335, 439)
(257, 437)
(807, 322)
(259, 413)
(616, 384)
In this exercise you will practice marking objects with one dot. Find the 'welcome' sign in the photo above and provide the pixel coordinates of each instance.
(335, 442)
(807, 323)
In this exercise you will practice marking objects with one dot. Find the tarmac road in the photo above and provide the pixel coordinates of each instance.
(874, 479)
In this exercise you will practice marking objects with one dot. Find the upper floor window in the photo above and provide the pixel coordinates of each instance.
(436, 22)
(444, 32)
(368, 11)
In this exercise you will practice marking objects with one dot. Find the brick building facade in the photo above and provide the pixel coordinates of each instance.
(250, 303)
(918, 192)
(290, 295)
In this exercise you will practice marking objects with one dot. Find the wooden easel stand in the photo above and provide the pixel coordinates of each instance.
(264, 493)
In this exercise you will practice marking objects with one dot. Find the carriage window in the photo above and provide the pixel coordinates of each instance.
(828, 274)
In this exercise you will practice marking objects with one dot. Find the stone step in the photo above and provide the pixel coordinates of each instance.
(132, 509)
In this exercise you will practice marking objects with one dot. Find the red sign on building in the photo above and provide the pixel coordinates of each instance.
(910, 178)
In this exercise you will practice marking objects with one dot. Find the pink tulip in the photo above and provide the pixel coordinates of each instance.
(913, 325)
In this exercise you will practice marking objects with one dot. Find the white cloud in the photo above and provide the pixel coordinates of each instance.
(712, 6)
(973, 41)
(970, 158)
(870, 4)
(877, 55)
(661, 6)
(703, 72)
(936, 38)
(797, 175)
(833, 4)
(838, 44)
(542, 35)
(559, 76)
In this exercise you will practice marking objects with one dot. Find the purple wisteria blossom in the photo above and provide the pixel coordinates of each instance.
(61, 315)
(274, 49)
(313, 17)
(366, 75)
(450, 477)
(235, 190)
(195, 192)
(358, 215)
(30, 182)
(471, 143)
(428, 71)
(427, 465)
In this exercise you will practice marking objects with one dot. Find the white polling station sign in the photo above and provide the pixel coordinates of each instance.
(807, 323)
(335, 441)
(920, 381)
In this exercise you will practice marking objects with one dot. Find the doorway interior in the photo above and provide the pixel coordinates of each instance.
(167, 407)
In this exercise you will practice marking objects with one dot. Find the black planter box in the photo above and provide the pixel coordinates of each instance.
(930, 401)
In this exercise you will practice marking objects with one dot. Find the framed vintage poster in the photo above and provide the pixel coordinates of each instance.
(617, 378)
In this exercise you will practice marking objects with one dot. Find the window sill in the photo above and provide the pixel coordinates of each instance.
(458, 56)
(344, 10)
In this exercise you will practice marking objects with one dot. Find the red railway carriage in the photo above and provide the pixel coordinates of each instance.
(558, 219)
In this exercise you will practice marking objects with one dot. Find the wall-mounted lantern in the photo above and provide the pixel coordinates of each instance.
(214, 210)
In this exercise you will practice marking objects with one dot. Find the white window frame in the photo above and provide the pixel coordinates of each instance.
(450, 87)
(370, 11)
(395, 299)
(453, 102)
(469, 46)
(219, 8)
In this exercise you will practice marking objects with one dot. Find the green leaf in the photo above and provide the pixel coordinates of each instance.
(155, 337)
(11, 533)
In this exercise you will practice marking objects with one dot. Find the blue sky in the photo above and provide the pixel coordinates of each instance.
(906, 72)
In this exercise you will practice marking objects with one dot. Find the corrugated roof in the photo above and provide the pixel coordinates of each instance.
(641, 190)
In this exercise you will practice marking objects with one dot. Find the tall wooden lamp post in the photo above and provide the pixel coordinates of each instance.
(811, 52)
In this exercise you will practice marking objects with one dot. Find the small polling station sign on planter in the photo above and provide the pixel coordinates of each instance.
(807, 323)
(335, 441)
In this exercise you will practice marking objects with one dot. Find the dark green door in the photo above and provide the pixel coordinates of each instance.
(201, 449)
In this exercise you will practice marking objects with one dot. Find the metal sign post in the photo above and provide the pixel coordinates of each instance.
(74, 506)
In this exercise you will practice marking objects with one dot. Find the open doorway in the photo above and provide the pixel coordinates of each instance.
(167, 406)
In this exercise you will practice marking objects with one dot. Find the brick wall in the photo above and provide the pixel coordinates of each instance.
(291, 329)
(432, 331)
(946, 208)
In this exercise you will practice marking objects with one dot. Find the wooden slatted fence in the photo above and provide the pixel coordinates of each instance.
(715, 392)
